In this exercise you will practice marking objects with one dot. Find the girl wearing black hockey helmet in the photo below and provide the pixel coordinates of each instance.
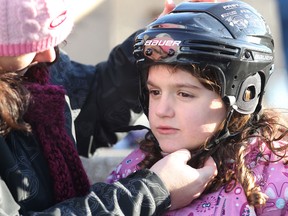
(203, 71)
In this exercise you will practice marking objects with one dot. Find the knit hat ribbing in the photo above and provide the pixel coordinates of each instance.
(32, 25)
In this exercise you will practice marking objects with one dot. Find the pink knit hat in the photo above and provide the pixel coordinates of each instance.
(32, 25)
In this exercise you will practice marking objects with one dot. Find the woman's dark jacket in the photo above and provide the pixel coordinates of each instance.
(105, 94)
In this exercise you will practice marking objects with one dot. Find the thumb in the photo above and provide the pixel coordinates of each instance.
(209, 169)
(184, 154)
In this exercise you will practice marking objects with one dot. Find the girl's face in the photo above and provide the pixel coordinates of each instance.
(183, 114)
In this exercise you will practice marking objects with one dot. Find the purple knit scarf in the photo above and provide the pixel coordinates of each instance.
(46, 116)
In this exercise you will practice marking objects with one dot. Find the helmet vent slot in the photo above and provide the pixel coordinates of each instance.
(210, 48)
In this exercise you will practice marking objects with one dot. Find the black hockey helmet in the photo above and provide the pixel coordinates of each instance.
(230, 37)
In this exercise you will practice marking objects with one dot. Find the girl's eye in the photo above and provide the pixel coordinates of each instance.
(185, 95)
(154, 92)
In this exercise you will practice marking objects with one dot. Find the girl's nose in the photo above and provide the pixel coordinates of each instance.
(165, 108)
(46, 56)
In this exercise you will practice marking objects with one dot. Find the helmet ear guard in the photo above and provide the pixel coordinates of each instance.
(248, 96)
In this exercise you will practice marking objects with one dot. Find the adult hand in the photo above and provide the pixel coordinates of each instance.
(183, 182)
(168, 7)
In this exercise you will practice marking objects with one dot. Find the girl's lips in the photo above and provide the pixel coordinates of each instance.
(166, 130)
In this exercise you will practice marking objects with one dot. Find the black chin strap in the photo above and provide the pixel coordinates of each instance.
(131, 128)
(224, 133)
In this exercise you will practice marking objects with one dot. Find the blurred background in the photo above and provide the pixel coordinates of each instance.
(102, 24)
